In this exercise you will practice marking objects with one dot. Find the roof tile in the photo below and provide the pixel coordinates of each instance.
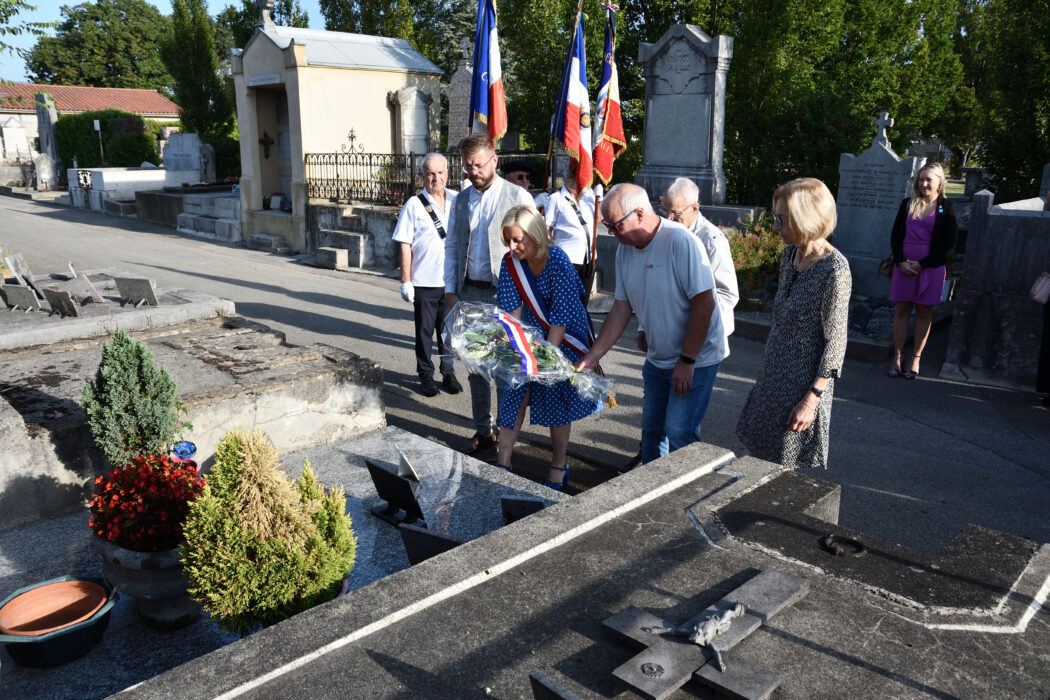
(75, 98)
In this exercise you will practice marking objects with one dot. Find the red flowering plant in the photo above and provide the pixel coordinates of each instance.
(143, 504)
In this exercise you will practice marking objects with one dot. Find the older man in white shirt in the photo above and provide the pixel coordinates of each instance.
(420, 234)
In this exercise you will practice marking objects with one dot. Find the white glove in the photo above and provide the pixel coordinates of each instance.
(599, 191)
(408, 292)
(541, 199)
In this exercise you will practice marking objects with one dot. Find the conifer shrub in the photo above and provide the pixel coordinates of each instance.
(132, 406)
(260, 547)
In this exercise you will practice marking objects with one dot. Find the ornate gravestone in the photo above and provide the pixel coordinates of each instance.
(183, 152)
(685, 89)
(670, 654)
(411, 107)
(459, 97)
(871, 187)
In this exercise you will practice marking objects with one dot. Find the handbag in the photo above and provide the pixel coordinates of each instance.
(1040, 291)
(886, 266)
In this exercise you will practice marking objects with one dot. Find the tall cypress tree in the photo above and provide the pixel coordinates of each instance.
(189, 55)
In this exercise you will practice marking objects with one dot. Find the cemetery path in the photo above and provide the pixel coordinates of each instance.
(917, 460)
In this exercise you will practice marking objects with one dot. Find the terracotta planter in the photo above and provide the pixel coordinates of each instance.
(153, 579)
(56, 621)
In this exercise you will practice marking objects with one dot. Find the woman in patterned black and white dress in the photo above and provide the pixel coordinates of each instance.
(787, 415)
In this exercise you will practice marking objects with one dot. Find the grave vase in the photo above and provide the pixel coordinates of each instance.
(153, 579)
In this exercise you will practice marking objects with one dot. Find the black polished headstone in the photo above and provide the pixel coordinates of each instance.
(397, 492)
(421, 544)
(517, 507)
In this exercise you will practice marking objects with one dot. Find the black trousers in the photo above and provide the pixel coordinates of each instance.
(429, 311)
(1042, 381)
(587, 280)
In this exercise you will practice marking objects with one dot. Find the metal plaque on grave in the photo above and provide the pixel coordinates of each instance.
(137, 291)
(397, 492)
(18, 297)
(672, 654)
(61, 302)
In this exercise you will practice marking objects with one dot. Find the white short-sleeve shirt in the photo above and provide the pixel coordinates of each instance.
(660, 281)
(717, 246)
(569, 234)
(415, 227)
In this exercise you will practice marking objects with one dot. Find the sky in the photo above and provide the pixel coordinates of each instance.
(12, 67)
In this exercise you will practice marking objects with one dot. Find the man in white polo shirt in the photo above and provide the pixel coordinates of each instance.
(420, 234)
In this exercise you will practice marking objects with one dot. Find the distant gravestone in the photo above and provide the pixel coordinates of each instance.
(61, 302)
(459, 97)
(46, 118)
(685, 93)
(18, 297)
(411, 107)
(183, 152)
(207, 156)
(46, 173)
(137, 291)
(871, 187)
(16, 145)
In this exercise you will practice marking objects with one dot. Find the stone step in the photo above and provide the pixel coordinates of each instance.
(353, 222)
(269, 243)
(227, 230)
(332, 258)
(359, 246)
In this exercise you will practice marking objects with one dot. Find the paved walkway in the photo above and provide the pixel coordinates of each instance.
(917, 460)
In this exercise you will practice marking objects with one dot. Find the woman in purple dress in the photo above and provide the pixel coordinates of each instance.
(922, 235)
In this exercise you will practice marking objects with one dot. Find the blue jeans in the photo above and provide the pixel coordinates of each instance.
(670, 421)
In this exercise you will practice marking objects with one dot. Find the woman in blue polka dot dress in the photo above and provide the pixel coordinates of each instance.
(559, 287)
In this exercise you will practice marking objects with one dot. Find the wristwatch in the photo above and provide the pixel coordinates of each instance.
(686, 359)
(816, 392)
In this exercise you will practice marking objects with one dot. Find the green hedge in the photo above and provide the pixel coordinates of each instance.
(126, 138)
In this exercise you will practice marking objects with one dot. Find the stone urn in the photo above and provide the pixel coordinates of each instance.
(153, 579)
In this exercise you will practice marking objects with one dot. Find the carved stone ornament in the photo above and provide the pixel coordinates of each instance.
(679, 66)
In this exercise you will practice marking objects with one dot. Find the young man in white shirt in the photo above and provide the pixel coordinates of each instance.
(420, 234)
(473, 252)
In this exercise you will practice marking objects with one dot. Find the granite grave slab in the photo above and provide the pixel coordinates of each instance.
(137, 291)
(18, 297)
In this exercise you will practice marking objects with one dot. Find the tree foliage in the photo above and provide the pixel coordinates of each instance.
(127, 139)
(108, 43)
(1017, 132)
(9, 9)
(206, 99)
(389, 18)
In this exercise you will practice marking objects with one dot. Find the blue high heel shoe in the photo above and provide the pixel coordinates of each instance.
(564, 482)
(504, 467)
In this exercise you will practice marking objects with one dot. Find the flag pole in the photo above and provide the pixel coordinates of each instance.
(560, 108)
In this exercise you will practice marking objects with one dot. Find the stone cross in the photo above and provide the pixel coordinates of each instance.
(264, 7)
(266, 142)
(668, 659)
(465, 45)
(883, 122)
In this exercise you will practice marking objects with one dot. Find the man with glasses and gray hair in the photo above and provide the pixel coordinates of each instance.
(665, 277)
(420, 235)
(473, 252)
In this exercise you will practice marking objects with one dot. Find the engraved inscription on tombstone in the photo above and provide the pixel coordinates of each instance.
(871, 187)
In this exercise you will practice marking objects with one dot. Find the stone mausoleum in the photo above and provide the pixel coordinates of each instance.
(302, 91)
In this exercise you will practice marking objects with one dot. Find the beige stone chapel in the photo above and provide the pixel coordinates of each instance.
(302, 91)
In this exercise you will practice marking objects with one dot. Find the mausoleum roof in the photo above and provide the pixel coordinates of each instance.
(342, 50)
(18, 97)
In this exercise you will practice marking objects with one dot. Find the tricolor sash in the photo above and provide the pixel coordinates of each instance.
(519, 340)
(525, 282)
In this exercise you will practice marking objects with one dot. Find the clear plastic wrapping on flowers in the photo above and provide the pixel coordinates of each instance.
(479, 340)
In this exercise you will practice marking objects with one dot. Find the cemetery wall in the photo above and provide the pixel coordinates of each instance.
(996, 328)
(16, 175)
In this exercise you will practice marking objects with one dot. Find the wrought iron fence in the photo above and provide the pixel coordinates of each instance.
(381, 178)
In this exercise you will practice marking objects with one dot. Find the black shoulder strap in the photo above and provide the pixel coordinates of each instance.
(433, 216)
(583, 223)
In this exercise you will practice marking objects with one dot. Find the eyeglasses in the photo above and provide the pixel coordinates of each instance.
(469, 169)
(616, 227)
(777, 220)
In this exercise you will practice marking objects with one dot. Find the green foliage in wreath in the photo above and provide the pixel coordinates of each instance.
(260, 547)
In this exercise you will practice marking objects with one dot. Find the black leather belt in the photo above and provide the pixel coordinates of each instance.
(477, 285)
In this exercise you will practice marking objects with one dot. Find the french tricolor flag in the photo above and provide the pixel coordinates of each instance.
(488, 108)
(572, 120)
(609, 138)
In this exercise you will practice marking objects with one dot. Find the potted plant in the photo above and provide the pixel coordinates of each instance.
(140, 503)
(260, 547)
